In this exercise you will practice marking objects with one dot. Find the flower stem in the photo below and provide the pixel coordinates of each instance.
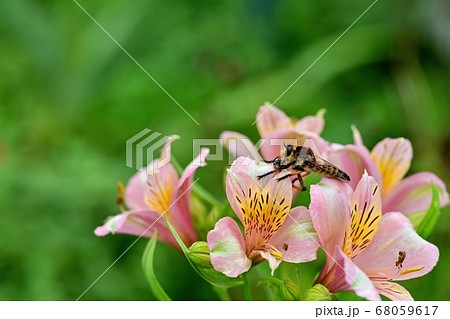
(246, 290)
(222, 293)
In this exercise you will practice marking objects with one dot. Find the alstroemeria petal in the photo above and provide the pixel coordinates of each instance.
(237, 188)
(311, 124)
(180, 209)
(366, 216)
(357, 139)
(329, 213)
(354, 160)
(396, 234)
(393, 158)
(272, 260)
(270, 118)
(226, 244)
(393, 291)
(262, 211)
(297, 239)
(354, 278)
(239, 145)
(160, 186)
(137, 187)
(137, 223)
(253, 169)
(413, 194)
(134, 192)
(275, 140)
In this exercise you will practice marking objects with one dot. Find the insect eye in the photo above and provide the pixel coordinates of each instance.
(288, 149)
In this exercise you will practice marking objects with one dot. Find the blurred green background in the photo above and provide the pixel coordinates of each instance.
(70, 98)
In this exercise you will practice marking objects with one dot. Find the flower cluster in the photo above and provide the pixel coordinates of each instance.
(363, 226)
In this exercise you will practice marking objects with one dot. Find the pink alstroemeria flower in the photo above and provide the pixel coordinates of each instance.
(363, 246)
(276, 128)
(155, 191)
(270, 233)
(388, 163)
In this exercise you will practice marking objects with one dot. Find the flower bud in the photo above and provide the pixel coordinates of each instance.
(290, 290)
(199, 254)
(319, 293)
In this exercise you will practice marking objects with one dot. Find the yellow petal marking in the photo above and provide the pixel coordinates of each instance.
(262, 215)
(159, 193)
(364, 224)
(392, 160)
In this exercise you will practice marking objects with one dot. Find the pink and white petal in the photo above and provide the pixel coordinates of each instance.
(297, 239)
(413, 194)
(167, 150)
(138, 223)
(311, 124)
(393, 291)
(227, 247)
(180, 205)
(253, 169)
(275, 140)
(160, 186)
(134, 192)
(154, 167)
(273, 262)
(354, 160)
(367, 194)
(393, 158)
(330, 214)
(280, 192)
(396, 234)
(353, 278)
(188, 174)
(239, 145)
(357, 139)
(366, 215)
(269, 118)
(238, 187)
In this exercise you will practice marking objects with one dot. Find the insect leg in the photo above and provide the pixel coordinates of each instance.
(302, 183)
(285, 176)
(266, 174)
(268, 162)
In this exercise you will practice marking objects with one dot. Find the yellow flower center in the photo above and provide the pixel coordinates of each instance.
(262, 216)
(158, 195)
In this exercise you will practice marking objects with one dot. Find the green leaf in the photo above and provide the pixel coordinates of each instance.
(147, 263)
(319, 293)
(274, 284)
(428, 222)
(416, 218)
(212, 276)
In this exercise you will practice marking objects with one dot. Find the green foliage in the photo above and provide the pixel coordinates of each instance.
(428, 223)
(70, 98)
(147, 264)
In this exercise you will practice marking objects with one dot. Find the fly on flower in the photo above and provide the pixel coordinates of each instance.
(302, 159)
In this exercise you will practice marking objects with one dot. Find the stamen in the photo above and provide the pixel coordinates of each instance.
(121, 188)
(401, 259)
(120, 201)
(413, 269)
